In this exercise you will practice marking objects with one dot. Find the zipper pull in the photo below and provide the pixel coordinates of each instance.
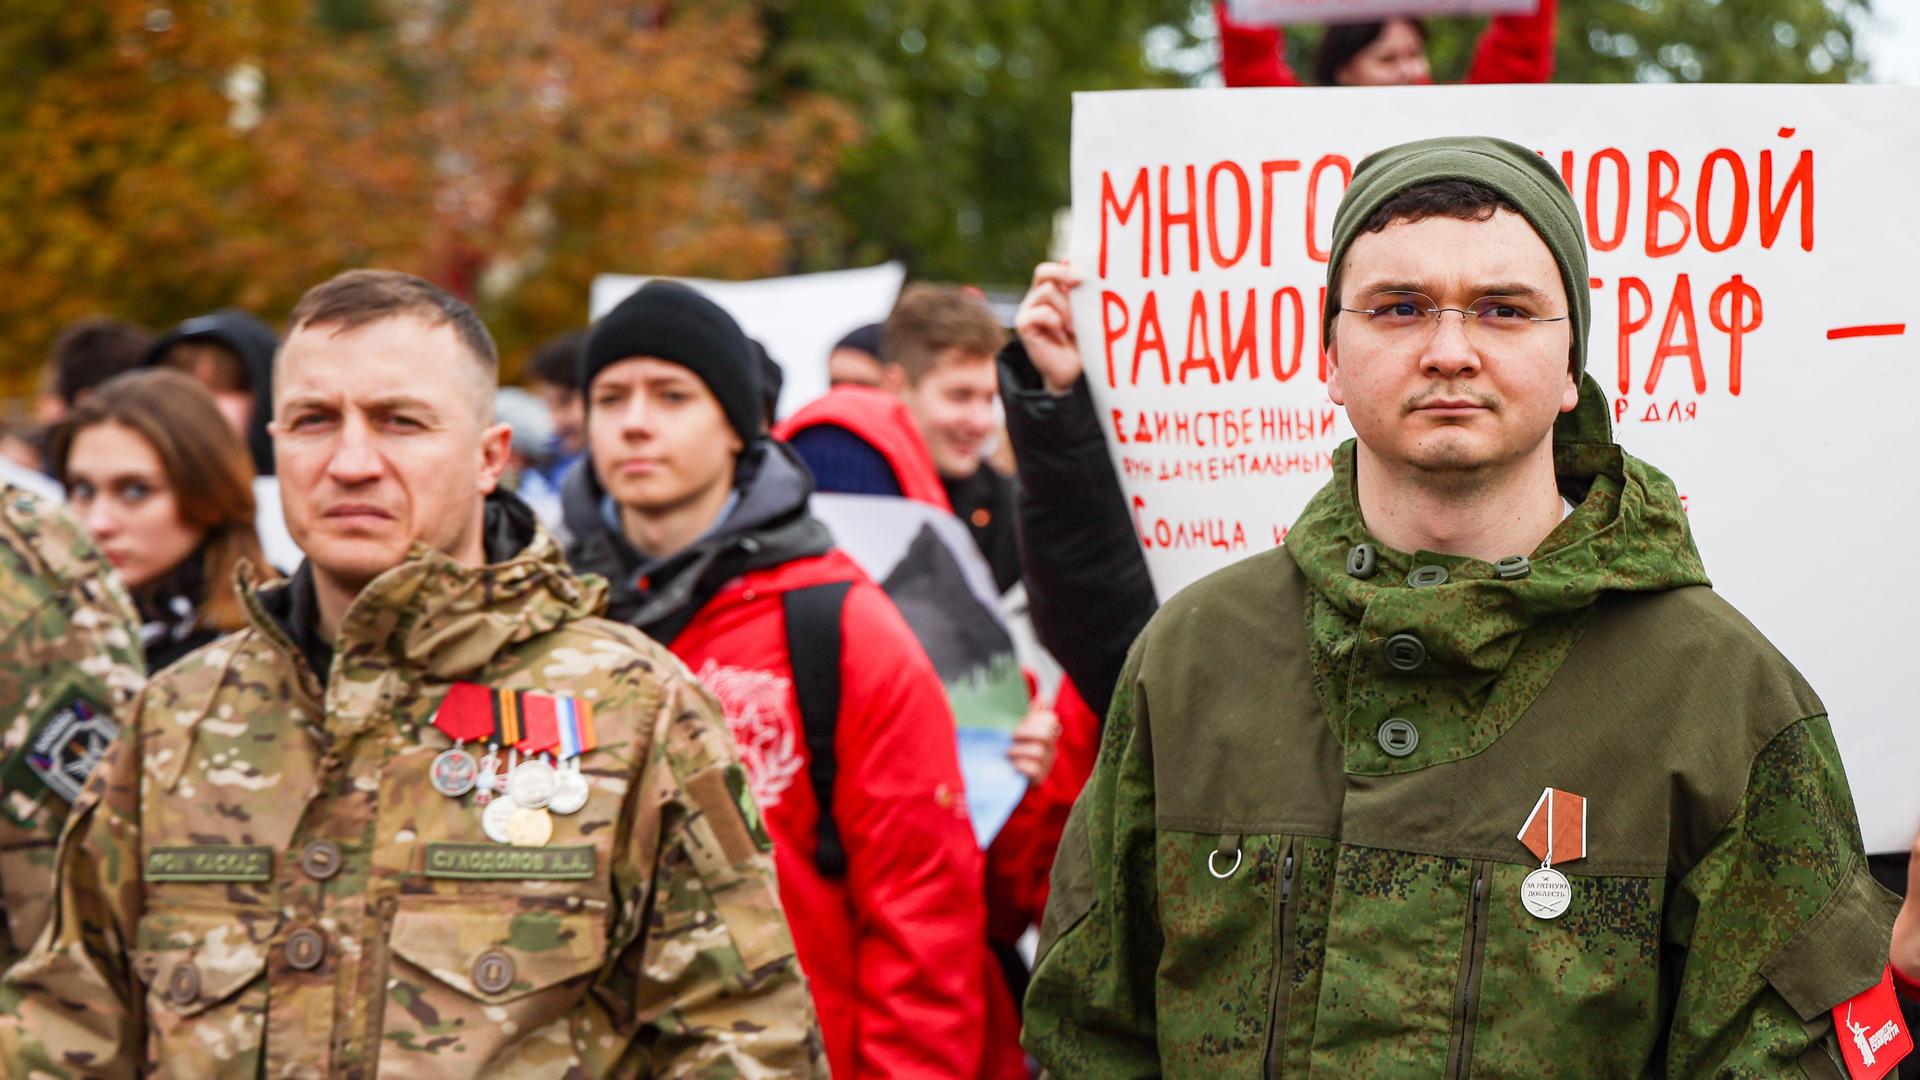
(1286, 879)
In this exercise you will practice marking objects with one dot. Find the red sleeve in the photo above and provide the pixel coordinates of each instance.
(913, 867)
(1251, 55)
(1909, 988)
(1021, 856)
(1516, 48)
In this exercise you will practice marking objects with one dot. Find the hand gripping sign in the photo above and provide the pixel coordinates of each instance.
(1754, 323)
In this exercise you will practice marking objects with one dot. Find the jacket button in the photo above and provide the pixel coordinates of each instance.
(1428, 576)
(1512, 568)
(305, 949)
(320, 859)
(1398, 737)
(493, 972)
(1404, 652)
(1362, 561)
(183, 985)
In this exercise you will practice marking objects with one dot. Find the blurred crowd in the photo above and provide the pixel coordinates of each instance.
(648, 446)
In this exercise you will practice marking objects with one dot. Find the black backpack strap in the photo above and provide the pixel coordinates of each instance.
(813, 644)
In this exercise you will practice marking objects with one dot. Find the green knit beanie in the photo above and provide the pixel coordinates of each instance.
(1515, 172)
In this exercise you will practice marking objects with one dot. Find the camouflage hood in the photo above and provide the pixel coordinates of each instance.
(432, 616)
(1489, 644)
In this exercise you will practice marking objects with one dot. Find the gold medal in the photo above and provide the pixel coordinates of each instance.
(529, 827)
(495, 818)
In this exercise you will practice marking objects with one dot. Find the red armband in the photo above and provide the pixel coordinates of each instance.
(1873, 1035)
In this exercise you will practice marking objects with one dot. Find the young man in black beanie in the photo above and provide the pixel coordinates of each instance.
(701, 524)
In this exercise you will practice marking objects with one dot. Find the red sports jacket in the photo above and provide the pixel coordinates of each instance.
(882, 946)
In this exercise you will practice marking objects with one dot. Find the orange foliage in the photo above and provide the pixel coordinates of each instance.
(509, 151)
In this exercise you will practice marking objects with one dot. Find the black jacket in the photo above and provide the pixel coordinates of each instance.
(1087, 586)
(767, 527)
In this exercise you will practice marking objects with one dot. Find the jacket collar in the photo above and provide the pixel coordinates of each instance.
(1490, 643)
(769, 526)
(430, 615)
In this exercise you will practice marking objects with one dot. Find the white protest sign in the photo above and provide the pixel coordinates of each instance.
(1753, 250)
(1288, 12)
(797, 318)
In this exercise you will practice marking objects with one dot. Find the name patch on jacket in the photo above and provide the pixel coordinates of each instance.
(210, 862)
(574, 863)
(65, 744)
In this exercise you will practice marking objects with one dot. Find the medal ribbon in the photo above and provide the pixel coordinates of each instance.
(577, 735)
(506, 718)
(540, 724)
(464, 713)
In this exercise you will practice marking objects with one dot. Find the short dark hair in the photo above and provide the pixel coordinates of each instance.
(929, 320)
(1467, 200)
(91, 351)
(358, 297)
(557, 360)
(1344, 41)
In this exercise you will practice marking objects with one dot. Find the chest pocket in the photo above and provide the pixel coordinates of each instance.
(470, 985)
(204, 970)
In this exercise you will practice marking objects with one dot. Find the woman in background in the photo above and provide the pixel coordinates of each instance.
(165, 488)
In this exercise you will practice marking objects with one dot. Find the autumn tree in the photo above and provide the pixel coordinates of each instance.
(165, 160)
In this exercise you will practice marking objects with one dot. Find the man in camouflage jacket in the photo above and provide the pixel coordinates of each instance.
(69, 664)
(262, 881)
(1303, 851)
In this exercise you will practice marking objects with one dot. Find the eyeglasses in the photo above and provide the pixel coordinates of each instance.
(1407, 314)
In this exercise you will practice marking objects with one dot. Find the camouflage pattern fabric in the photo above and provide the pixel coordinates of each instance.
(69, 665)
(260, 880)
(1253, 885)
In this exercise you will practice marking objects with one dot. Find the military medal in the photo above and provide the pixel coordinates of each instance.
(529, 828)
(1556, 827)
(489, 779)
(534, 782)
(496, 818)
(577, 736)
(572, 792)
(461, 716)
(453, 772)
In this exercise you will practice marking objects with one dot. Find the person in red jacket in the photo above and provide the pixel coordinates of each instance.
(701, 524)
(1393, 52)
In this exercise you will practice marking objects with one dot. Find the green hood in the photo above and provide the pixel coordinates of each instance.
(1491, 645)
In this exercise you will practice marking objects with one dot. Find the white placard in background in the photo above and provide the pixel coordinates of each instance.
(797, 318)
(1754, 321)
(1288, 12)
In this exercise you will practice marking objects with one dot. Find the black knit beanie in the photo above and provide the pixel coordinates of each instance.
(669, 321)
(1523, 177)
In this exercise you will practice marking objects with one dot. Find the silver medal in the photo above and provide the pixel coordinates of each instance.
(453, 773)
(571, 793)
(496, 819)
(532, 783)
(489, 780)
(1546, 893)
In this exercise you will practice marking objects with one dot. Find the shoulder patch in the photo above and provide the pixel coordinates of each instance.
(62, 747)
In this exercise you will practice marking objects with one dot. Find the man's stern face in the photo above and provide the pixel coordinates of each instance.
(381, 439)
(1463, 396)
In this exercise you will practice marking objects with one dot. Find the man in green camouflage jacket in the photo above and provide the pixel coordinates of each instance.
(265, 876)
(1475, 775)
(69, 664)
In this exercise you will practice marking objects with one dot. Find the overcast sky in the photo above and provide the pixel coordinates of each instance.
(1892, 41)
